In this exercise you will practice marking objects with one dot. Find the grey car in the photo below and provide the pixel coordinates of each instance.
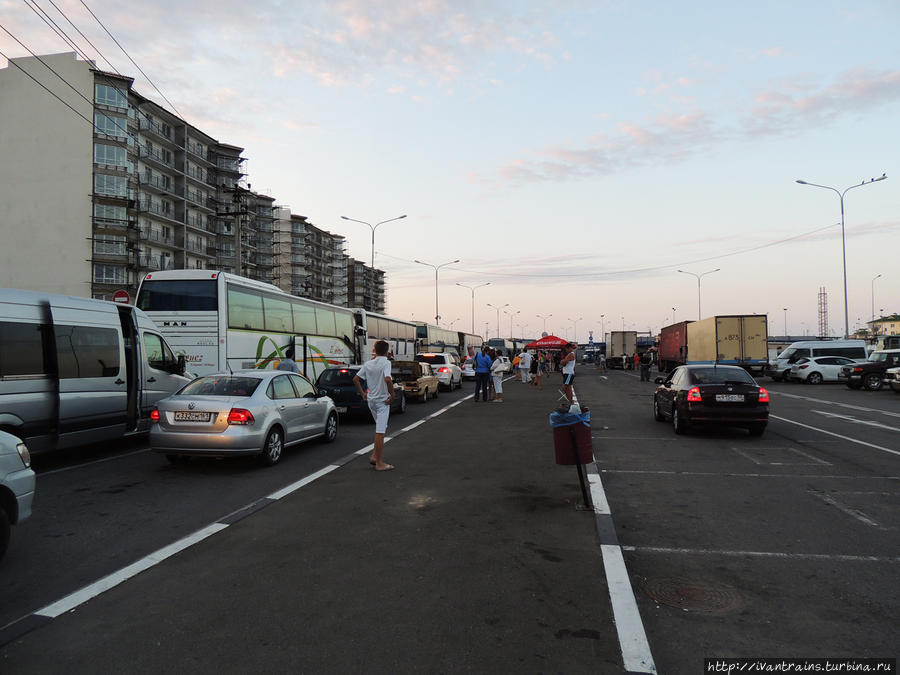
(249, 412)
(16, 485)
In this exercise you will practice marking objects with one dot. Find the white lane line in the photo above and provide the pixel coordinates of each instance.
(764, 554)
(72, 600)
(831, 433)
(842, 405)
(843, 508)
(854, 420)
(747, 455)
(293, 487)
(634, 438)
(743, 475)
(814, 460)
(598, 496)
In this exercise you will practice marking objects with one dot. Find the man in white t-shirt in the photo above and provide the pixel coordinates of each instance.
(525, 365)
(379, 395)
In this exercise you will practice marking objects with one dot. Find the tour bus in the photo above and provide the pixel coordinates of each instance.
(221, 321)
(77, 370)
(400, 335)
(436, 339)
(470, 344)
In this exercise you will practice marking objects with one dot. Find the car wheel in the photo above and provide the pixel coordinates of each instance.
(677, 422)
(872, 381)
(402, 408)
(757, 429)
(331, 428)
(272, 448)
(814, 378)
(4, 531)
(786, 376)
(424, 397)
(657, 415)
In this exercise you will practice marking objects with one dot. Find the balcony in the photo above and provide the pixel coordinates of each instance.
(196, 151)
(159, 184)
(155, 156)
(198, 221)
(158, 237)
(161, 131)
(110, 223)
(155, 262)
(157, 209)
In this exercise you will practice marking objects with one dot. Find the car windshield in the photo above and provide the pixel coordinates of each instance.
(721, 376)
(787, 353)
(438, 359)
(336, 377)
(222, 385)
(878, 357)
(407, 370)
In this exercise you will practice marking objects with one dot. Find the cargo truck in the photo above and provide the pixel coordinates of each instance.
(673, 346)
(738, 339)
(619, 343)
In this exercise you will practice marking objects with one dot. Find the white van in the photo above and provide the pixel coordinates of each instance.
(780, 367)
(76, 370)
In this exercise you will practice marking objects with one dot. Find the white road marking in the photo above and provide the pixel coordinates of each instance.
(815, 460)
(764, 554)
(842, 405)
(844, 508)
(854, 420)
(744, 475)
(831, 433)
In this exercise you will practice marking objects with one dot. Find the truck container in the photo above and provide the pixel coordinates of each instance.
(738, 339)
(673, 346)
(619, 343)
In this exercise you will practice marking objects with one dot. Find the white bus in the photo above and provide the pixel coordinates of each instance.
(220, 321)
(433, 338)
(400, 335)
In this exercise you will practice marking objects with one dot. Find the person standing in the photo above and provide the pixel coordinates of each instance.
(288, 363)
(482, 365)
(525, 365)
(646, 362)
(637, 361)
(379, 395)
(567, 364)
(497, 370)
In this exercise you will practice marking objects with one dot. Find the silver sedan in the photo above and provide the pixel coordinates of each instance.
(250, 412)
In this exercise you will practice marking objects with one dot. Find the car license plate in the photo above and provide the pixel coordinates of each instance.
(190, 416)
(341, 409)
(730, 398)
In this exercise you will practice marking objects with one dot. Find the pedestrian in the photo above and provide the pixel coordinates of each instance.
(646, 362)
(525, 365)
(567, 363)
(482, 366)
(288, 363)
(602, 363)
(636, 360)
(379, 394)
(497, 370)
(538, 368)
(517, 361)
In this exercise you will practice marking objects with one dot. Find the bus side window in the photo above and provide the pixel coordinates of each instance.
(245, 310)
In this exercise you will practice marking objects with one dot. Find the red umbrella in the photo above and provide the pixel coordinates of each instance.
(547, 342)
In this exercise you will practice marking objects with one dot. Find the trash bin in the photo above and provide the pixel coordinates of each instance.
(572, 437)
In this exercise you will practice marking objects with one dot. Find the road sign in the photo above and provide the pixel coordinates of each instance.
(122, 297)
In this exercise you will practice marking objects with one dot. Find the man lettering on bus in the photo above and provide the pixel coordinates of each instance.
(379, 395)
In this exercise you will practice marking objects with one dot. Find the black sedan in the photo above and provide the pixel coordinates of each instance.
(712, 394)
(337, 382)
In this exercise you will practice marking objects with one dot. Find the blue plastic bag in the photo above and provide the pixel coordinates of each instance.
(558, 419)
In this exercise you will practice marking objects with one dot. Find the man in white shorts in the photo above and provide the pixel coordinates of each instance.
(379, 395)
(525, 365)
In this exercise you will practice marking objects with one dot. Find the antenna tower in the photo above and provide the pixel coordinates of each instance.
(823, 312)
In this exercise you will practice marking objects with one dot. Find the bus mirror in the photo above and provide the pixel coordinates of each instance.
(360, 331)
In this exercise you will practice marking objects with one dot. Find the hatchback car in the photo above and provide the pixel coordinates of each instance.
(417, 379)
(16, 485)
(819, 369)
(468, 368)
(445, 366)
(338, 384)
(248, 412)
(704, 394)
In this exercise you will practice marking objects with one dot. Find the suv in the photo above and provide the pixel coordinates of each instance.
(446, 366)
(870, 373)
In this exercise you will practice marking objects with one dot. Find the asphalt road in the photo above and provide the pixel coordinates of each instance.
(781, 546)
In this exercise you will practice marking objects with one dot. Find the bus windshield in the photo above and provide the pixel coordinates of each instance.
(178, 296)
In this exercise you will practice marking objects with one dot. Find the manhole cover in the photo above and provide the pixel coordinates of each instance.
(695, 596)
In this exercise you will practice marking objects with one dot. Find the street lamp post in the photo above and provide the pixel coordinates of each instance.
(472, 288)
(373, 228)
(545, 320)
(437, 315)
(673, 316)
(511, 315)
(843, 238)
(873, 300)
(575, 328)
(453, 322)
(699, 314)
(498, 314)
(785, 322)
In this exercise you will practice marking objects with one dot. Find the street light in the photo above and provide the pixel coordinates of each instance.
(498, 314)
(374, 227)
(843, 238)
(699, 315)
(472, 288)
(453, 322)
(602, 332)
(873, 299)
(511, 315)
(575, 328)
(545, 320)
(673, 316)
(437, 315)
(785, 321)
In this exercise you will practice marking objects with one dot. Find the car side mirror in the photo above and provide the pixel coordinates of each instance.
(321, 393)
(181, 365)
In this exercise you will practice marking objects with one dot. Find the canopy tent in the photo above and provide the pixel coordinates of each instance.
(547, 342)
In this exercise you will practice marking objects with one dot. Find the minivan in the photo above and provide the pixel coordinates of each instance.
(780, 368)
(78, 370)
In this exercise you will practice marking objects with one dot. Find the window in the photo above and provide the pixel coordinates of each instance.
(110, 154)
(111, 125)
(106, 95)
(85, 351)
(280, 388)
(324, 321)
(116, 186)
(343, 324)
(304, 318)
(278, 315)
(303, 387)
(21, 349)
(108, 212)
(159, 355)
(245, 310)
(222, 385)
(109, 274)
(109, 244)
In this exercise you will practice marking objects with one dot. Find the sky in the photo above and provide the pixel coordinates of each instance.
(572, 154)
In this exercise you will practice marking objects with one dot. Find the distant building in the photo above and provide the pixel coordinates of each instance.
(885, 325)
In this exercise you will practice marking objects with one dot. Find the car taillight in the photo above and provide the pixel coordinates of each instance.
(857, 369)
(693, 395)
(443, 369)
(240, 416)
(763, 395)
(154, 415)
(804, 367)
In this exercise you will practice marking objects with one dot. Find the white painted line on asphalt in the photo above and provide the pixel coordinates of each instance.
(747, 456)
(854, 420)
(635, 438)
(636, 655)
(598, 495)
(81, 596)
(413, 425)
(844, 508)
(293, 487)
(842, 405)
(815, 460)
(831, 433)
(744, 475)
(764, 554)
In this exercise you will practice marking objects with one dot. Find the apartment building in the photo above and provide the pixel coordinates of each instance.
(365, 286)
